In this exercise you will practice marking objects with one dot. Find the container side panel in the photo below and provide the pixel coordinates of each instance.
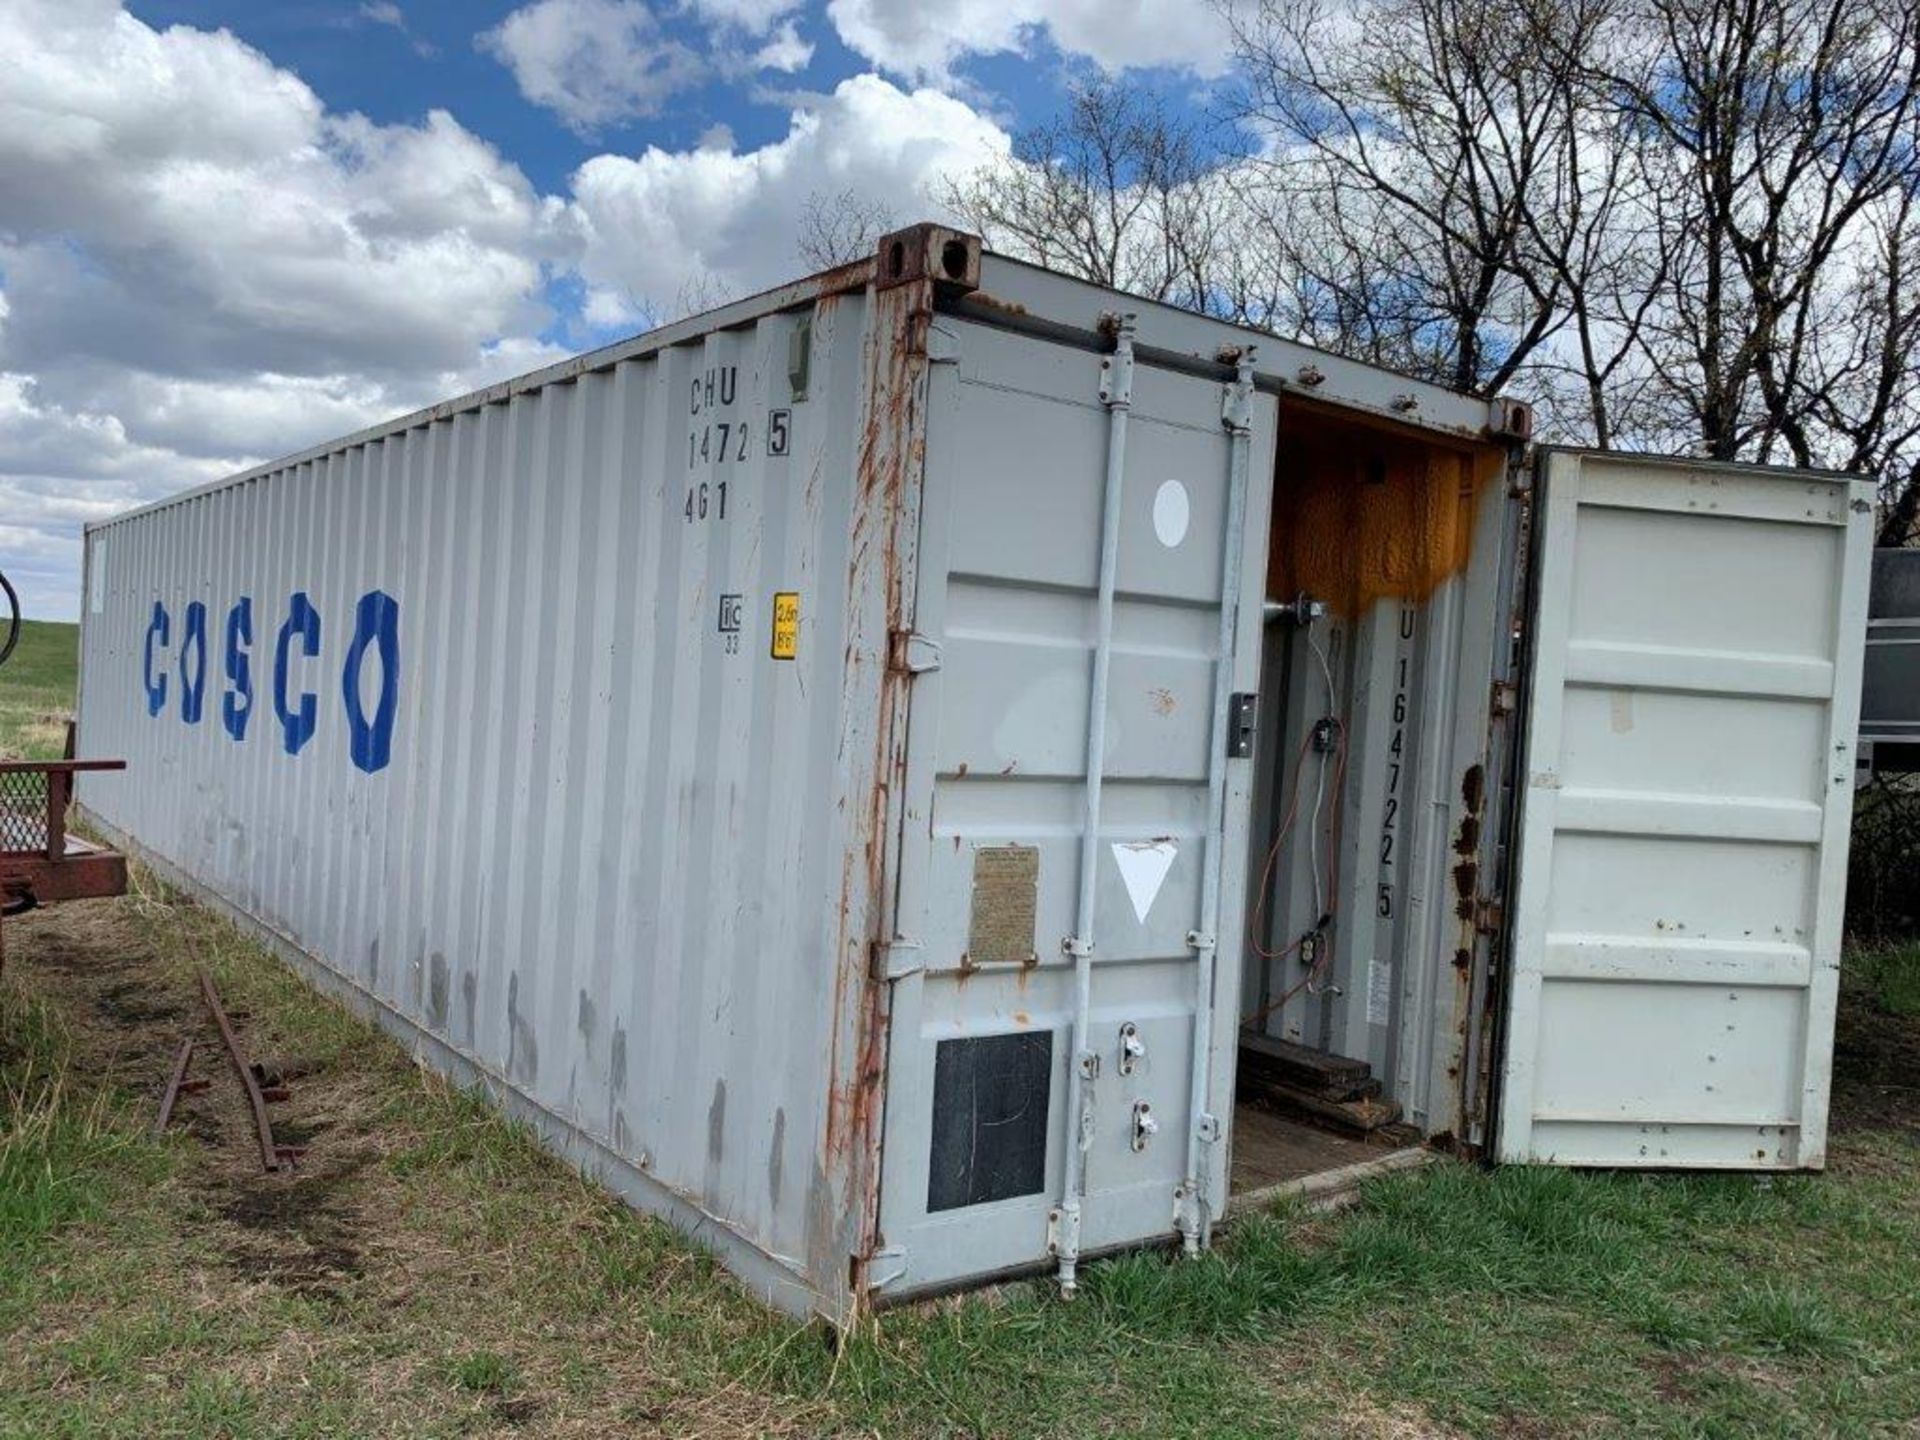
(493, 719)
(1685, 800)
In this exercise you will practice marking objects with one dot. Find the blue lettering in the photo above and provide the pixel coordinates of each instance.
(193, 671)
(160, 629)
(376, 622)
(302, 621)
(237, 706)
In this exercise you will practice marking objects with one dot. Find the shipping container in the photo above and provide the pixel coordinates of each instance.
(941, 770)
(1890, 694)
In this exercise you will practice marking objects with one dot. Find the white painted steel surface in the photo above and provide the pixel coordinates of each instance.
(606, 866)
(1686, 798)
(1009, 581)
(563, 813)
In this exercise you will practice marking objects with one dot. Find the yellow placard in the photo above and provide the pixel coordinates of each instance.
(786, 624)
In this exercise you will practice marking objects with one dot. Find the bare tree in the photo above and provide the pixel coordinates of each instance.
(1766, 131)
(1862, 382)
(841, 227)
(1428, 146)
(1118, 190)
(1676, 224)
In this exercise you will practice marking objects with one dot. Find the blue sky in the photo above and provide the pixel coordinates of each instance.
(357, 63)
(228, 231)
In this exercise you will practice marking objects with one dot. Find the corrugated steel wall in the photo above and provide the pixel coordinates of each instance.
(604, 861)
(1009, 559)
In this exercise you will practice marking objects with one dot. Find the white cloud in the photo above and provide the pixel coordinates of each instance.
(924, 40)
(655, 224)
(204, 267)
(756, 17)
(592, 62)
(385, 12)
(784, 50)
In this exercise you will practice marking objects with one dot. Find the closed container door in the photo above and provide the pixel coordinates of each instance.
(1006, 639)
(1685, 799)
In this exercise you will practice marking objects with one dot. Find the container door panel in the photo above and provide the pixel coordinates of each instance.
(1685, 797)
(983, 998)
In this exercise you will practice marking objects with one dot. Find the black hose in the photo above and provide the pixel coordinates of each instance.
(13, 624)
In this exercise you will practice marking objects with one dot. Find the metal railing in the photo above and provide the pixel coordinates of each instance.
(34, 795)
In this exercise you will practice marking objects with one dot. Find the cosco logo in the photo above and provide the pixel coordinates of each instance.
(296, 709)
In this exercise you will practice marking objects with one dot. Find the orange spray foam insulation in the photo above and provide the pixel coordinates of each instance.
(1362, 514)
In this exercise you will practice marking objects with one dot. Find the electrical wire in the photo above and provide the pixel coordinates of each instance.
(1324, 907)
(1273, 852)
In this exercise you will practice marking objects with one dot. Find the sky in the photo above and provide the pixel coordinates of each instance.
(230, 229)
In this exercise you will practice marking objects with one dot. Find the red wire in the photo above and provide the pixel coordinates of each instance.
(1333, 876)
(1273, 853)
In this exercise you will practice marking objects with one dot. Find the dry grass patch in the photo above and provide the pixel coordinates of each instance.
(427, 1270)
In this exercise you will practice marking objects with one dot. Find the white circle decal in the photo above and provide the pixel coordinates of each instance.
(1170, 513)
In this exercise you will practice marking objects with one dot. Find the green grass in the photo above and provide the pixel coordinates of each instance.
(441, 1275)
(492, 1289)
(1891, 975)
(36, 690)
(483, 1370)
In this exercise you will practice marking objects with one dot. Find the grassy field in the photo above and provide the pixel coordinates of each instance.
(426, 1270)
(36, 691)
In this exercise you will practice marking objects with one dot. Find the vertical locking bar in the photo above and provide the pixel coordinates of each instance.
(1116, 390)
(1193, 1210)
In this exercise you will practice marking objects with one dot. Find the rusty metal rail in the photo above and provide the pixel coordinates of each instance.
(177, 1085)
(272, 1156)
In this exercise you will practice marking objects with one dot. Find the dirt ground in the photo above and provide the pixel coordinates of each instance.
(422, 1269)
(303, 1228)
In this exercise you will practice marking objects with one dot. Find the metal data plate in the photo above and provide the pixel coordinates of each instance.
(1006, 893)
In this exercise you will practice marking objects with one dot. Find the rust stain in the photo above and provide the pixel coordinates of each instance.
(891, 449)
(1473, 788)
(1162, 700)
(994, 302)
(1362, 514)
(1466, 876)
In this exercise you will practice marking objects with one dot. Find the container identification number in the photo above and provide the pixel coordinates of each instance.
(1396, 759)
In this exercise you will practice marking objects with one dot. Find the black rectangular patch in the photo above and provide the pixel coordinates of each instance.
(990, 1106)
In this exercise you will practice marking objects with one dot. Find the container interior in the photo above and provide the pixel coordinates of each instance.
(1378, 654)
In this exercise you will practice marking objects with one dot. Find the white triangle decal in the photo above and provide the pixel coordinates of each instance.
(1144, 865)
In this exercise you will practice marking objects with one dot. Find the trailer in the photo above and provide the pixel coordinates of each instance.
(940, 770)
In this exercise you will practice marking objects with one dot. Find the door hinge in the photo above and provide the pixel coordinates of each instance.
(1243, 724)
(1063, 1233)
(1506, 697)
(1489, 915)
(911, 653)
(1190, 1218)
(896, 959)
(885, 1266)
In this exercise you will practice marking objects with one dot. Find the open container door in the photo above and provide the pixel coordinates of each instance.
(1685, 794)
